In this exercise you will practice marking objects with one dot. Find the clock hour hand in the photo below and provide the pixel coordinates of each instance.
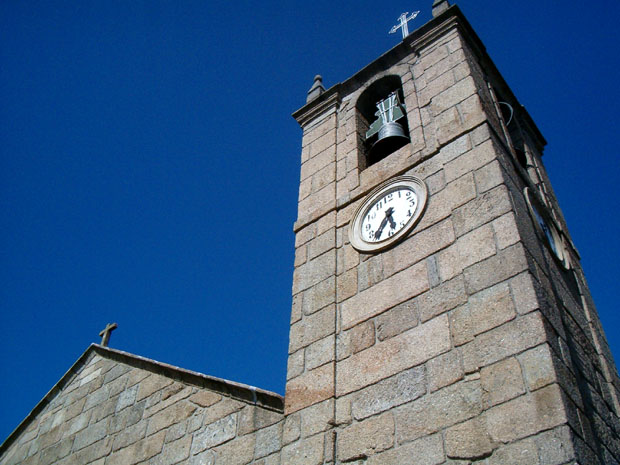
(388, 216)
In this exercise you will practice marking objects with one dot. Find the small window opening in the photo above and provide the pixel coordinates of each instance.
(382, 120)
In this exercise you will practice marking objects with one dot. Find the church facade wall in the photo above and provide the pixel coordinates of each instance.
(113, 413)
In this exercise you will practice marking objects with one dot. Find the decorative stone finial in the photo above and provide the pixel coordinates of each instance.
(439, 6)
(105, 333)
(316, 89)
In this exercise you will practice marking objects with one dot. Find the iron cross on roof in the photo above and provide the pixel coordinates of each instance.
(402, 23)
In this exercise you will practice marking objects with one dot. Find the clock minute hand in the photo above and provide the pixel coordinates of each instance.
(381, 226)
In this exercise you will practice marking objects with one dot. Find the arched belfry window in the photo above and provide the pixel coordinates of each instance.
(382, 120)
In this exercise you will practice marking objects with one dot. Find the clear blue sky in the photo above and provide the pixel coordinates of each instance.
(149, 167)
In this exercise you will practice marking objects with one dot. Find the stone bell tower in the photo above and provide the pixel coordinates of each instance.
(440, 311)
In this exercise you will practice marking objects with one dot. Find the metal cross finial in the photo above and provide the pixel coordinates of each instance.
(402, 23)
(105, 334)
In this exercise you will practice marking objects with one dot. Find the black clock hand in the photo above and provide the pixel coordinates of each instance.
(381, 226)
(388, 215)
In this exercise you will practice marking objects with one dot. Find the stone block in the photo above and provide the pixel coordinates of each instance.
(519, 453)
(173, 414)
(391, 392)
(438, 410)
(489, 176)
(173, 452)
(423, 451)
(485, 310)
(321, 244)
(370, 271)
(317, 418)
(393, 355)
(483, 209)
(91, 434)
(130, 435)
(310, 388)
(501, 381)
(509, 339)
(388, 293)
(396, 320)
(419, 246)
(453, 94)
(445, 370)
(555, 446)
(347, 285)
(524, 293)
(205, 398)
(324, 177)
(268, 440)
(314, 271)
(222, 409)
(138, 452)
(538, 367)
(506, 232)
(292, 428)
(295, 364)
(468, 440)
(91, 453)
(320, 352)
(312, 328)
(366, 438)
(126, 398)
(317, 204)
(215, 434)
(526, 415)
(307, 451)
(440, 299)
(435, 87)
(505, 264)
(152, 384)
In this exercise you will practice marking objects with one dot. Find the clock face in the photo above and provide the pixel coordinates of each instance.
(388, 214)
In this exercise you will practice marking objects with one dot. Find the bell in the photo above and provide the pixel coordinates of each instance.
(391, 137)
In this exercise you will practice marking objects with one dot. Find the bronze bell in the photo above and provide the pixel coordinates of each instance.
(391, 134)
(391, 137)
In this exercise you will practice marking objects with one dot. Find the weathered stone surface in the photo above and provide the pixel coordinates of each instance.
(320, 352)
(525, 415)
(314, 271)
(538, 369)
(307, 451)
(173, 452)
(386, 294)
(519, 453)
(396, 320)
(236, 452)
(501, 381)
(319, 296)
(292, 428)
(397, 390)
(312, 328)
(485, 310)
(423, 451)
(152, 384)
(139, 451)
(506, 231)
(484, 208)
(444, 370)
(205, 398)
(509, 339)
(433, 412)
(505, 264)
(174, 414)
(268, 440)
(367, 437)
(309, 388)
(468, 440)
(317, 418)
(214, 434)
(393, 355)
(555, 446)
(440, 299)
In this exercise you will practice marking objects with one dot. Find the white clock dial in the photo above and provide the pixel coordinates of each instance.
(388, 214)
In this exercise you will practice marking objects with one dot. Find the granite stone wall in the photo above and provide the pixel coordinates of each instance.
(109, 412)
